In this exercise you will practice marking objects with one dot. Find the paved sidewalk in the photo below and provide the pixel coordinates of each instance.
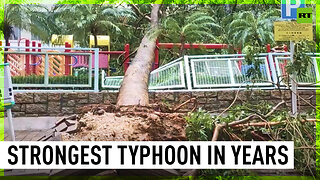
(26, 135)
(32, 123)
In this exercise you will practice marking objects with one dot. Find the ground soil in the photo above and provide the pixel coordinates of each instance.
(129, 123)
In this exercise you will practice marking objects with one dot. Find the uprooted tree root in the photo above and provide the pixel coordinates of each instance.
(129, 123)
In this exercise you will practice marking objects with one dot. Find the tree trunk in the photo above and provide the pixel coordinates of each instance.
(95, 41)
(182, 49)
(95, 37)
(6, 39)
(134, 88)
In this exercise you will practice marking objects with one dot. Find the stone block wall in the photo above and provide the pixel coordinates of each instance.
(59, 104)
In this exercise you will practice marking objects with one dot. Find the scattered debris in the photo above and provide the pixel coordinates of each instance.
(64, 125)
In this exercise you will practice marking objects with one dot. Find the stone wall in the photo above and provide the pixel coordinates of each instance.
(59, 104)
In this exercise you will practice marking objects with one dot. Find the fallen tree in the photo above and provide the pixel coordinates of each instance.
(134, 88)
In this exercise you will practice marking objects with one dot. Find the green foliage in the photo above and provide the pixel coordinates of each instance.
(318, 131)
(239, 174)
(248, 28)
(1, 126)
(302, 62)
(1, 20)
(29, 17)
(199, 25)
(199, 126)
(318, 147)
(290, 129)
(83, 20)
(33, 79)
(252, 32)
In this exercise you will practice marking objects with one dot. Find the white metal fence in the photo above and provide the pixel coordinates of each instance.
(308, 79)
(169, 76)
(211, 72)
(190, 73)
(217, 71)
(47, 69)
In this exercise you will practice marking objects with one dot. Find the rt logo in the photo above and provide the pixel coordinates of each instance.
(295, 9)
(304, 15)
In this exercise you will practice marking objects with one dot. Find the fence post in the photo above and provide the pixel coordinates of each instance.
(27, 58)
(188, 74)
(127, 58)
(316, 68)
(33, 59)
(268, 47)
(231, 72)
(294, 85)
(96, 70)
(39, 46)
(67, 60)
(272, 69)
(46, 70)
(156, 55)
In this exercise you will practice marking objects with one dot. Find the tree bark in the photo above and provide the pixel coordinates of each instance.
(134, 88)
(95, 40)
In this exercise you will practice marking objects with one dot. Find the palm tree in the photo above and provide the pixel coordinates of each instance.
(83, 20)
(196, 27)
(23, 16)
(251, 33)
(248, 28)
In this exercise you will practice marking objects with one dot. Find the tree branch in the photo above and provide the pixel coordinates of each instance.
(263, 124)
(137, 10)
(242, 121)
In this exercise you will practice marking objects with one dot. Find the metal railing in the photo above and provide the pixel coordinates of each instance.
(309, 79)
(216, 72)
(226, 72)
(169, 76)
(46, 70)
(188, 73)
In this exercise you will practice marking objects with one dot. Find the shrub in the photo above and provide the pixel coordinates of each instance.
(199, 126)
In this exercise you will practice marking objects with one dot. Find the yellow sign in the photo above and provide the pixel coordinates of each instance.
(292, 31)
